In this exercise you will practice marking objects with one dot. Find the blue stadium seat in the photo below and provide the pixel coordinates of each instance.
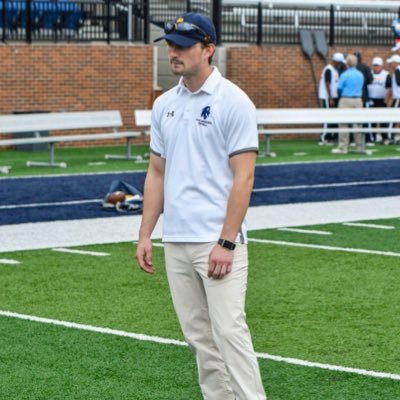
(13, 9)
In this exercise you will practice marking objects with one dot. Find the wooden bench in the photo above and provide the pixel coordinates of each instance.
(286, 120)
(65, 121)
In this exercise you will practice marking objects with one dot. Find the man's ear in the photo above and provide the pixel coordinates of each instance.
(210, 48)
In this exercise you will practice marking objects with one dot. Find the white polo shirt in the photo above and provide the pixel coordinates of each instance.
(197, 133)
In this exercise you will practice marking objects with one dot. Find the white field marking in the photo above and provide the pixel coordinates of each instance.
(369, 225)
(83, 252)
(157, 244)
(9, 261)
(56, 203)
(270, 189)
(300, 154)
(355, 160)
(331, 248)
(327, 185)
(76, 174)
(157, 339)
(305, 231)
(330, 367)
(97, 163)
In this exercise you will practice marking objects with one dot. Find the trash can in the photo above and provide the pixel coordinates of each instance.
(33, 146)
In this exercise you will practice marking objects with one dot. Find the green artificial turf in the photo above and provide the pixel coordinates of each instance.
(86, 160)
(41, 362)
(332, 307)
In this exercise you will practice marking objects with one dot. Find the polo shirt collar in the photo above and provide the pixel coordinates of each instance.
(208, 86)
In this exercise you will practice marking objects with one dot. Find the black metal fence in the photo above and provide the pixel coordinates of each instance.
(129, 20)
(282, 25)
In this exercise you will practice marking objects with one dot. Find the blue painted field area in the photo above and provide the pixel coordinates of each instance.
(69, 197)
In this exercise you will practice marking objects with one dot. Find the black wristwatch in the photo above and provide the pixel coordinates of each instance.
(226, 244)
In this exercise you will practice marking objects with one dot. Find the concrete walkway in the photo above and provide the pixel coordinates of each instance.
(42, 235)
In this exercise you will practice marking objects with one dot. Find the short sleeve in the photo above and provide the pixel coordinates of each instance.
(156, 139)
(328, 75)
(241, 127)
(388, 83)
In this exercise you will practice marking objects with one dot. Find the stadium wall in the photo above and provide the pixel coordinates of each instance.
(281, 76)
(76, 77)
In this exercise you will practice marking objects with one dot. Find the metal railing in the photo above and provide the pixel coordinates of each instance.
(64, 20)
(249, 22)
(282, 25)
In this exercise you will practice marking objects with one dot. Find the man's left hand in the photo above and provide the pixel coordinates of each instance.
(219, 262)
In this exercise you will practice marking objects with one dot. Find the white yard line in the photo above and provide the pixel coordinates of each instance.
(374, 226)
(56, 176)
(160, 340)
(308, 231)
(83, 252)
(321, 247)
(267, 189)
(327, 185)
(52, 204)
(9, 261)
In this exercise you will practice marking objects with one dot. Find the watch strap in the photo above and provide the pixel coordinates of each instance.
(226, 244)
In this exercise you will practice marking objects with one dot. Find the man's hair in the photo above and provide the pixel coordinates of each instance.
(351, 60)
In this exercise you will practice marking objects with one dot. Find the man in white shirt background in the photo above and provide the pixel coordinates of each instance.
(328, 92)
(379, 92)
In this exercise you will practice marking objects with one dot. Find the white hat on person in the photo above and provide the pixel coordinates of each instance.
(338, 57)
(394, 59)
(377, 61)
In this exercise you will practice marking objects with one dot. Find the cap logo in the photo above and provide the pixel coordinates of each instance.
(179, 20)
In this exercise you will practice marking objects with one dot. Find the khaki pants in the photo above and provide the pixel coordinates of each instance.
(213, 321)
(359, 138)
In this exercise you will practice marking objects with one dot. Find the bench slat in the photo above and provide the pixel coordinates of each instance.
(59, 121)
(294, 116)
(69, 138)
(311, 116)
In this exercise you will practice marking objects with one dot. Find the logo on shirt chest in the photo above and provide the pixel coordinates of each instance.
(204, 115)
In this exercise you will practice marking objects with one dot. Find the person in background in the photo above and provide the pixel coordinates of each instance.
(350, 88)
(394, 62)
(366, 71)
(328, 93)
(204, 143)
(379, 93)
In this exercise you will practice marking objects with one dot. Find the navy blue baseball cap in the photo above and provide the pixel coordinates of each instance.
(189, 29)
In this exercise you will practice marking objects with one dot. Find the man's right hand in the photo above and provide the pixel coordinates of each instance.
(144, 255)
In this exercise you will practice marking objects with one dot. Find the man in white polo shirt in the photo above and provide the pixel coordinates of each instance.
(379, 92)
(204, 143)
